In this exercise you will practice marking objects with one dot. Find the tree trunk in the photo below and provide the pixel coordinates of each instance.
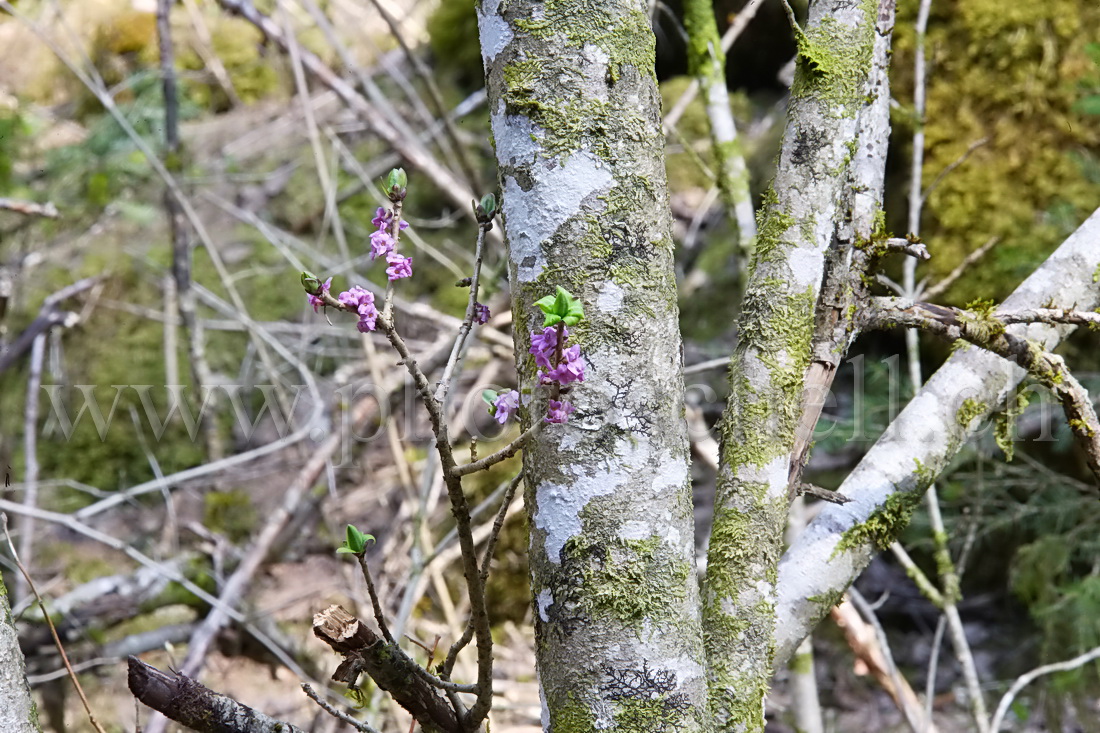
(18, 713)
(575, 115)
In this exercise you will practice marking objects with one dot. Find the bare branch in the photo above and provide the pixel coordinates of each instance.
(186, 701)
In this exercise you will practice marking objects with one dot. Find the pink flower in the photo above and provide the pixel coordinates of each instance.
(505, 406)
(399, 266)
(381, 244)
(558, 412)
(545, 344)
(571, 368)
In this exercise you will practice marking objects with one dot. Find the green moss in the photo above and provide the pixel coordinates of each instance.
(772, 224)
(629, 580)
(1009, 74)
(547, 91)
(779, 327)
(571, 717)
(802, 663)
(924, 475)
(970, 410)
(1005, 425)
(627, 39)
(827, 601)
(833, 59)
(885, 525)
(229, 512)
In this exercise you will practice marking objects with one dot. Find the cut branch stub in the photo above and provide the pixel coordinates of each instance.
(389, 667)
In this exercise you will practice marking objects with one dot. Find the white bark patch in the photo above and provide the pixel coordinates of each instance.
(495, 33)
(806, 265)
(559, 187)
(609, 299)
(558, 507)
(544, 600)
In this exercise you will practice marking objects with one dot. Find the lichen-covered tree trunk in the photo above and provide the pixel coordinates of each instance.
(18, 713)
(798, 225)
(575, 116)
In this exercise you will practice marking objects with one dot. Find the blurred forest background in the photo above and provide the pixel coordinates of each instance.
(283, 175)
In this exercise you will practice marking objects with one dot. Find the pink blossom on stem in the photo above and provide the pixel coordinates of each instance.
(505, 405)
(399, 266)
(558, 412)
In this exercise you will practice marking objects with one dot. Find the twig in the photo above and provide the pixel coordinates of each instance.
(379, 617)
(988, 332)
(327, 181)
(707, 63)
(468, 321)
(825, 494)
(381, 124)
(49, 315)
(428, 78)
(1026, 679)
(498, 523)
(935, 291)
(955, 164)
(501, 455)
(874, 650)
(177, 226)
(25, 525)
(53, 629)
(359, 725)
(909, 247)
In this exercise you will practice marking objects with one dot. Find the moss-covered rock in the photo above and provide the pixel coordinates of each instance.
(1011, 74)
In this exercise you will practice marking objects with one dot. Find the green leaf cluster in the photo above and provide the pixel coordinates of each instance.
(561, 307)
(355, 542)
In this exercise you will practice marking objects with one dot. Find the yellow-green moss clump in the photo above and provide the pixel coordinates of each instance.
(1009, 73)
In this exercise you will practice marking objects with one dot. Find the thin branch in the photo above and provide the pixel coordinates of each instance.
(1026, 679)
(881, 662)
(501, 455)
(736, 28)
(359, 725)
(379, 617)
(468, 320)
(428, 79)
(955, 164)
(988, 332)
(381, 124)
(935, 291)
(498, 523)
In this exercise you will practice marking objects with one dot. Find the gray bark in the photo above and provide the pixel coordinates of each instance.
(798, 225)
(18, 713)
(918, 445)
(575, 116)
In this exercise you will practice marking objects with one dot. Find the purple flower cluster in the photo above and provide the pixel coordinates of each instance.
(563, 365)
(362, 302)
(568, 369)
(382, 244)
(481, 313)
(505, 405)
